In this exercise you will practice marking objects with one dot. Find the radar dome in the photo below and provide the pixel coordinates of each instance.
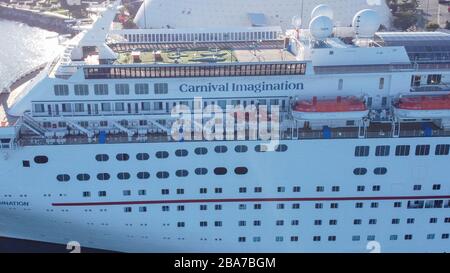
(322, 10)
(321, 27)
(366, 22)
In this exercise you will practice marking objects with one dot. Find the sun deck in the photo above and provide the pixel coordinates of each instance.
(194, 53)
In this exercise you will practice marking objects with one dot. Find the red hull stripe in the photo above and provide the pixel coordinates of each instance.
(231, 200)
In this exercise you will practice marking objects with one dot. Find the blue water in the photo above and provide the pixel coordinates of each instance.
(23, 47)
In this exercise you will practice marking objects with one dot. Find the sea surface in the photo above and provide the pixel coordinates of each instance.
(22, 48)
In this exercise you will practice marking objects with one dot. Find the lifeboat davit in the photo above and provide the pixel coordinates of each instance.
(342, 108)
(423, 107)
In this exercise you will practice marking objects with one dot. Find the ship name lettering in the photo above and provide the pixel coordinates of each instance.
(14, 203)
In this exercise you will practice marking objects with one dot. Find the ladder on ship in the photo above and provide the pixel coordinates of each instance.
(34, 126)
(395, 127)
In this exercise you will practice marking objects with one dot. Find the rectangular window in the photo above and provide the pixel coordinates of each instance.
(422, 150)
(382, 150)
(100, 89)
(145, 106)
(79, 107)
(340, 84)
(119, 106)
(434, 79)
(402, 150)
(39, 108)
(381, 84)
(106, 107)
(161, 88)
(61, 89)
(66, 107)
(361, 151)
(126, 192)
(122, 89)
(158, 105)
(81, 89)
(415, 80)
(442, 149)
(141, 89)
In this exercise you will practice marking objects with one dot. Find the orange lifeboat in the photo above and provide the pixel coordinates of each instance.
(350, 108)
(423, 107)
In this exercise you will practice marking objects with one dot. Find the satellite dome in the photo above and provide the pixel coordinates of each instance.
(366, 22)
(322, 10)
(321, 27)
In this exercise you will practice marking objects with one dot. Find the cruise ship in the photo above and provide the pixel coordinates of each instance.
(313, 138)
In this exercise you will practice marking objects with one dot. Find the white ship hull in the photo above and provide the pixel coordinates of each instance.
(45, 209)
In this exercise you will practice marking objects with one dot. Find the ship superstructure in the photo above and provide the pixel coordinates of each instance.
(315, 139)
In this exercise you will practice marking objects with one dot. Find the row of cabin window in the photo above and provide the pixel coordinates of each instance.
(136, 107)
(166, 71)
(244, 189)
(358, 205)
(184, 153)
(200, 37)
(402, 150)
(103, 89)
(146, 175)
(428, 204)
(333, 238)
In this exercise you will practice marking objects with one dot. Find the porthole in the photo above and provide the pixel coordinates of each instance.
(162, 175)
(103, 176)
(63, 177)
(181, 153)
(123, 176)
(201, 171)
(143, 175)
(240, 170)
(142, 156)
(281, 148)
(360, 171)
(162, 154)
(220, 171)
(102, 157)
(122, 157)
(261, 148)
(221, 149)
(41, 159)
(83, 177)
(380, 171)
(201, 151)
(181, 173)
(241, 149)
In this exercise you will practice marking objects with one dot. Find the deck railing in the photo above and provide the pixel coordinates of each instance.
(300, 134)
